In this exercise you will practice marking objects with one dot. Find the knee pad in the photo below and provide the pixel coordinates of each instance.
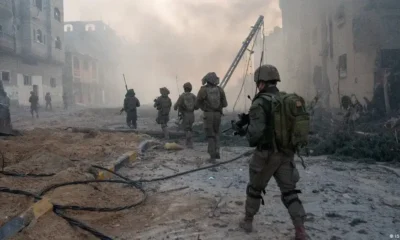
(254, 193)
(288, 198)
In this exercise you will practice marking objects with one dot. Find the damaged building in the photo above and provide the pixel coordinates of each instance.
(343, 48)
(91, 69)
(31, 49)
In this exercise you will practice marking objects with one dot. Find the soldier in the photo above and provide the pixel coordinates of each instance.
(130, 105)
(65, 101)
(211, 99)
(270, 157)
(186, 105)
(163, 104)
(34, 100)
(47, 98)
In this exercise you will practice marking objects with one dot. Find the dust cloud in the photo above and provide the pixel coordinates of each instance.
(168, 38)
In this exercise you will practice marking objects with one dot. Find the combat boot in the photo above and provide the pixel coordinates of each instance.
(247, 223)
(218, 156)
(300, 233)
(212, 160)
(189, 143)
(166, 133)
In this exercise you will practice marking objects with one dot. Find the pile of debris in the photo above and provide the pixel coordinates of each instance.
(368, 139)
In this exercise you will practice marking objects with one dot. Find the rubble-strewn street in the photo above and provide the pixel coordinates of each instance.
(343, 200)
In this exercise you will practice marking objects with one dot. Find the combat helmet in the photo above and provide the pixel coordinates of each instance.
(164, 91)
(130, 92)
(266, 73)
(211, 78)
(187, 86)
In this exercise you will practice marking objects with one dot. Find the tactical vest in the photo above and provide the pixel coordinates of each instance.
(289, 121)
(164, 105)
(188, 102)
(213, 99)
(131, 103)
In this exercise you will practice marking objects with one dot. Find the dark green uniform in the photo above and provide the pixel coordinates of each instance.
(211, 99)
(163, 104)
(268, 159)
(186, 105)
(131, 103)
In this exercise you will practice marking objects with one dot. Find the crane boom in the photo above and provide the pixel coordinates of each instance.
(242, 50)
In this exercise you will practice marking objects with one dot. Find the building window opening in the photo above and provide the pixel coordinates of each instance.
(5, 76)
(1, 28)
(39, 36)
(76, 63)
(27, 80)
(58, 43)
(68, 28)
(342, 66)
(53, 82)
(57, 14)
(38, 4)
(90, 27)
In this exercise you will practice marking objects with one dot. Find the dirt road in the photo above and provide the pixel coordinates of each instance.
(344, 200)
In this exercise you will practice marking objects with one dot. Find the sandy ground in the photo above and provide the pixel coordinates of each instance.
(343, 200)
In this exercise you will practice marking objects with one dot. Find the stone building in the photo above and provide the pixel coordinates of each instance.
(31, 49)
(342, 48)
(92, 63)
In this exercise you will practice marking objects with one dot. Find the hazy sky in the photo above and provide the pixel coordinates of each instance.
(187, 38)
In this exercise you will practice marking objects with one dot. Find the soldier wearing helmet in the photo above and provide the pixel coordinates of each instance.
(34, 100)
(131, 103)
(268, 159)
(163, 104)
(186, 105)
(211, 99)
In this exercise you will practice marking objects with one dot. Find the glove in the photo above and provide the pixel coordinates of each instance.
(238, 129)
(121, 111)
(241, 132)
(244, 120)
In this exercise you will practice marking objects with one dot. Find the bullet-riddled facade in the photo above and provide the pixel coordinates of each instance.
(31, 49)
(342, 48)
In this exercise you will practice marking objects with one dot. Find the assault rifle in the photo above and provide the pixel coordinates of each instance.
(126, 87)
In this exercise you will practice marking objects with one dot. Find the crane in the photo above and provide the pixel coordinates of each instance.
(245, 45)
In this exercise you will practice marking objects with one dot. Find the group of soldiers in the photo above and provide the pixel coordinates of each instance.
(272, 158)
(34, 101)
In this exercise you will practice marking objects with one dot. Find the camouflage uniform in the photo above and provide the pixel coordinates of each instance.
(268, 160)
(163, 104)
(34, 100)
(211, 99)
(131, 103)
(5, 118)
(48, 101)
(186, 105)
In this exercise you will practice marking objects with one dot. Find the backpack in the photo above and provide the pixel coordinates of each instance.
(131, 103)
(188, 102)
(291, 120)
(165, 105)
(214, 98)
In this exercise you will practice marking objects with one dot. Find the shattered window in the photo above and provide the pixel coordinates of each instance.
(5, 76)
(39, 36)
(343, 66)
(53, 82)
(57, 14)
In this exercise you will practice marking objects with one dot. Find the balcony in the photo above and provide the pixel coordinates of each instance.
(6, 9)
(6, 42)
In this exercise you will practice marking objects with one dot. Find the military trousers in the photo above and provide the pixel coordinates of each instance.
(265, 164)
(212, 123)
(187, 124)
(131, 119)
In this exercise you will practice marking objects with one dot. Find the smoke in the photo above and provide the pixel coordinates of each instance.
(169, 38)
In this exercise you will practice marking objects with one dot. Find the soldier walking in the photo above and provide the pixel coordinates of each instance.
(211, 99)
(34, 100)
(47, 98)
(131, 103)
(274, 154)
(163, 104)
(186, 105)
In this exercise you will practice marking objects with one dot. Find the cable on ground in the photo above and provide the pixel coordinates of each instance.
(58, 209)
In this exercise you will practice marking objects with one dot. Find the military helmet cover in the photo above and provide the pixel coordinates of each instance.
(267, 73)
(164, 91)
(187, 85)
(210, 77)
